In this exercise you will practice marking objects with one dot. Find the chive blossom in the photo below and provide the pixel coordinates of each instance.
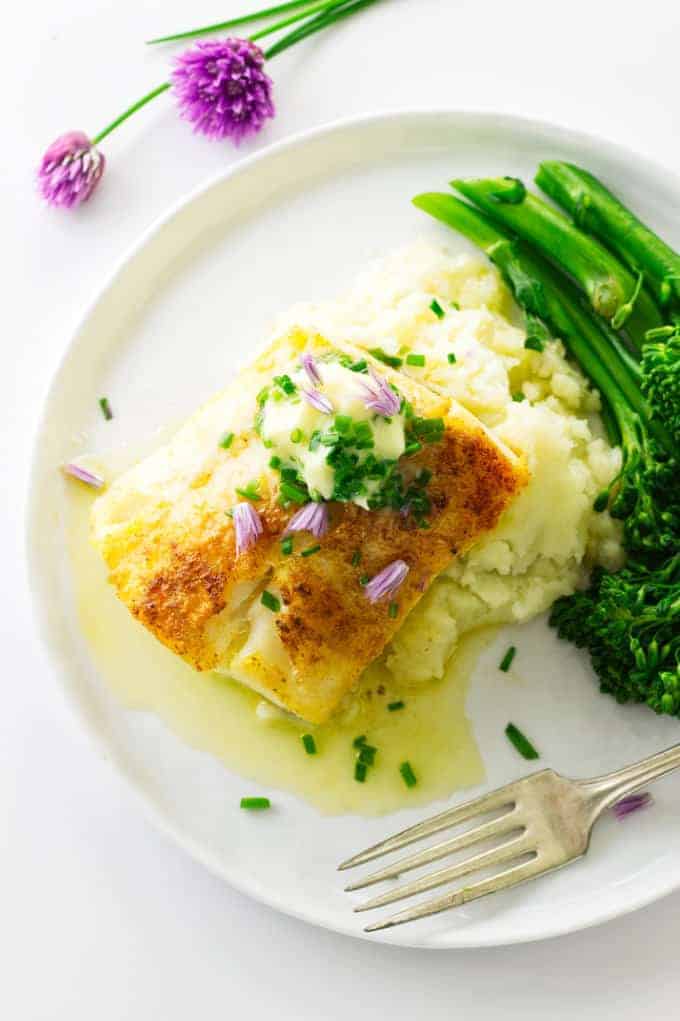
(271, 601)
(504, 664)
(521, 743)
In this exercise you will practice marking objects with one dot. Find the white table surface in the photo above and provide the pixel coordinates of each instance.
(100, 917)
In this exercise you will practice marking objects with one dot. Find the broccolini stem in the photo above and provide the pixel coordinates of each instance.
(612, 290)
(541, 292)
(600, 213)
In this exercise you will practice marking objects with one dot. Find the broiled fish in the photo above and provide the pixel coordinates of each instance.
(165, 531)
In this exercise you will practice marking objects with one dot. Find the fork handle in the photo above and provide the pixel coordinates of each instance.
(606, 790)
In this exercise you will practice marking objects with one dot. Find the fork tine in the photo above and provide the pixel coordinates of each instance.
(487, 803)
(500, 827)
(502, 855)
(502, 881)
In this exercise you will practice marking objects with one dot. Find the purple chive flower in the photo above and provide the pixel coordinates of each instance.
(313, 517)
(70, 170)
(311, 368)
(632, 803)
(83, 475)
(247, 525)
(380, 397)
(387, 582)
(222, 88)
(318, 401)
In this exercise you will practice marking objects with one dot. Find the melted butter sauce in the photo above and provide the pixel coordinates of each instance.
(218, 716)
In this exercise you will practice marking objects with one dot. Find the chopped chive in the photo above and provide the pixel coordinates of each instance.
(601, 501)
(360, 770)
(296, 436)
(343, 423)
(358, 741)
(412, 448)
(437, 309)
(287, 545)
(367, 754)
(386, 359)
(407, 774)
(454, 304)
(521, 743)
(274, 462)
(393, 707)
(504, 664)
(451, 358)
(269, 600)
(393, 610)
(310, 551)
(415, 359)
(227, 441)
(251, 491)
(518, 397)
(359, 366)
(255, 804)
(534, 344)
(356, 558)
(106, 408)
(309, 744)
(286, 384)
(364, 579)
(293, 493)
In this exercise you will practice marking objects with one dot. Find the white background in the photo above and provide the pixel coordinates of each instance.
(99, 916)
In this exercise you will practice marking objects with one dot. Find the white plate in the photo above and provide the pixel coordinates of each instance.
(295, 222)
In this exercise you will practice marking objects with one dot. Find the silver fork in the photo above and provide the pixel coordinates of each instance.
(543, 822)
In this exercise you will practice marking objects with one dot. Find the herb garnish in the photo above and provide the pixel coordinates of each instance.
(271, 601)
(521, 743)
(407, 774)
(255, 804)
(504, 664)
(106, 408)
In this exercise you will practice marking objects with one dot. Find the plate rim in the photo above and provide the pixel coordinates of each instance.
(44, 626)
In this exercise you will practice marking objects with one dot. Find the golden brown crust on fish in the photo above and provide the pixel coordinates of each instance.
(164, 531)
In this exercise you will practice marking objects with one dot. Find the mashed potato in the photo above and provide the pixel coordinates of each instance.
(536, 402)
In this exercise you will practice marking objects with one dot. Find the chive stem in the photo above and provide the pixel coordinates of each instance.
(407, 774)
(106, 408)
(309, 744)
(255, 804)
(504, 664)
(521, 742)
